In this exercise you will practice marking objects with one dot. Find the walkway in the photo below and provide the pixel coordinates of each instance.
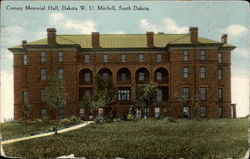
(47, 134)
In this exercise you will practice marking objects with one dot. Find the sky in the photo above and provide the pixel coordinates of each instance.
(212, 18)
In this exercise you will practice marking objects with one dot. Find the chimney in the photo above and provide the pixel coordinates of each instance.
(150, 39)
(51, 35)
(95, 39)
(224, 38)
(193, 33)
(24, 42)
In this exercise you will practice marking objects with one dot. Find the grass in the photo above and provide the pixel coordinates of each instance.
(151, 138)
(11, 130)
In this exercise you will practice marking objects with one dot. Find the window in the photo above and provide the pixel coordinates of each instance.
(124, 95)
(43, 74)
(220, 74)
(123, 58)
(43, 113)
(203, 93)
(141, 76)
(185, 92)
(141, 57)
(158, 57)
(60, 73)
(25, 59)
(202, 55)
(219, 57)
(185, 55)
(87, 92)
(43, 93)
(146, 112)
(61, 113)
(105, 75)
(60, 56)
(159, 76)
(202, 72)
(185, 72)
(202, 112)
(42, 57)
(157, 112)
(220, 93)
(81, 112)
(159, 95)
(87, 77)
(186, 112)
(105, 58)
(86, 58)
(25, 96)
(124, 77)
(220, 112)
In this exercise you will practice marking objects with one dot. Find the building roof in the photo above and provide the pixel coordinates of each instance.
(124, 40)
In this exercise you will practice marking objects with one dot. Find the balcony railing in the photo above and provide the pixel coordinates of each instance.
(84, 82)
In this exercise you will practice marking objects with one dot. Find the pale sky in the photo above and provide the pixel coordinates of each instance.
(212, 18)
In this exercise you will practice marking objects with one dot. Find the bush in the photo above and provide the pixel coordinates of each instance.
(70, 120)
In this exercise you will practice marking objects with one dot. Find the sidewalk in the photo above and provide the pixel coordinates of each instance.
(47, 134)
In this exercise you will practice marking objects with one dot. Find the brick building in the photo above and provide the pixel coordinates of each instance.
(179, 64)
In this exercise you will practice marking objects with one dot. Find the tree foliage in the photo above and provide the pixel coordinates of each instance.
(27, 109)
(56, 94)
(147, 94)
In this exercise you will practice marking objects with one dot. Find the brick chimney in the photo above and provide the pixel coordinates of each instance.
(150, 39)
(224, 38)
(193, 33)
(24, 42)
(51, 35)
(95, 36)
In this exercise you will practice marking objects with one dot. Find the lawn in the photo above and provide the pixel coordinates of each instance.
(18, 129)
(151, 138)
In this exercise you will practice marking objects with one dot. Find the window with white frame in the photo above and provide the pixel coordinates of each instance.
(43, 74)
(105, 58)
(203, 93)
(146, 111)
(86, 58)
(159, 76)
(87, 77)
(60, 73)
(141, 76)
(43, 94)
(202, 55)
(81, 112)
(158, 57)
(185, 91)
(25, 96)
(220, 93)
(124, 95)
(138, 113)
(159, 95)
(141, 57)
(42, 56)
(185, 72)
(219, 57)
(123, 58)
(157, 112)
(43, 113)
(202, 112)
(202, 72)
(220, 74)
(185, 55)
(60, 55)
(25, 60)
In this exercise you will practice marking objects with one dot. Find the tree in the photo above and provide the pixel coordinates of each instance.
(147, 95)
(27, 109)
(104, 93)
(184, 100)
(56, 95)
(196, 107)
